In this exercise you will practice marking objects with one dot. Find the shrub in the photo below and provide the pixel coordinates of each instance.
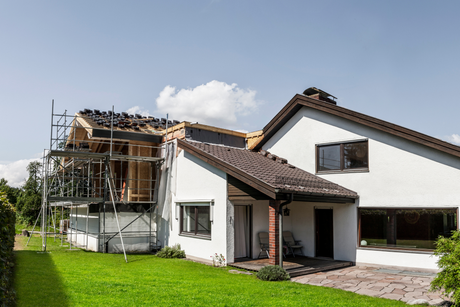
(273, 273)
(7, 232)
(171, 252)
(448, 280)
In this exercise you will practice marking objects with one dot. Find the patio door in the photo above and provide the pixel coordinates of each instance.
(324, 233)
(242, 231)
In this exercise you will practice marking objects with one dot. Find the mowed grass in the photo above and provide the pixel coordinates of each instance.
(80, 278)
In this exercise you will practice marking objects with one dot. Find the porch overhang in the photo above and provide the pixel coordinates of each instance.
(314, 197)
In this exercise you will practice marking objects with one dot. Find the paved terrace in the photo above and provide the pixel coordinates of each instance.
(395, 284)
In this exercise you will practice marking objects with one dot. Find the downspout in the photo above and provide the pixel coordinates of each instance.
(280, 214)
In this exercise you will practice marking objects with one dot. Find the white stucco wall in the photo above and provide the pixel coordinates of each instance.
(401, 174)
(398, 258)
(199, 180)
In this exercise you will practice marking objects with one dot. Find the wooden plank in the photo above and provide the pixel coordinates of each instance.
(253, 138)
(238, 190)
(208, 128)
(254, 134)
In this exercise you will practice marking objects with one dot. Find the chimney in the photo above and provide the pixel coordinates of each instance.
(316, 93)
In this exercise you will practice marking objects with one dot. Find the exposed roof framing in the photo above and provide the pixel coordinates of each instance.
(96, 131)
(91, 155)
(299, 101)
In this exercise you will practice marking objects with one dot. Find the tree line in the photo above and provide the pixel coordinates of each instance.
(26, 199)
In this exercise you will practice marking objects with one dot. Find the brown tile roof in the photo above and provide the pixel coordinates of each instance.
(299, 101)
(263, 173)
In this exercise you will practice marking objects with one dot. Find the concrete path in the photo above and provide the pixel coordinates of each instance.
(395, 284)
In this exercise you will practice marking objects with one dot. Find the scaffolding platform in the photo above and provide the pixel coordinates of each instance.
(103, 180)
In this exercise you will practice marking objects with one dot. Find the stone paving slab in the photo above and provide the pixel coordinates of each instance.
(400, 285)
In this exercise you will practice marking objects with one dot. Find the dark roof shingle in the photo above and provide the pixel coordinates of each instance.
(274, 174)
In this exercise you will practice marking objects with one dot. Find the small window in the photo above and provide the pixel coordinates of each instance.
(195, 220)
(342, 157)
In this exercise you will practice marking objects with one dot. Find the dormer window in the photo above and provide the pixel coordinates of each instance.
(340, 157)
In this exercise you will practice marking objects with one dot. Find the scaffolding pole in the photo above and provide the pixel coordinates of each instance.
(118, 223)
(38, 217)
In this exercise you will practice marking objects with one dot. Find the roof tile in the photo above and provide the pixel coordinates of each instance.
(277, 175)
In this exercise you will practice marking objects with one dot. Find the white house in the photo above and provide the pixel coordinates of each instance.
(358, 188)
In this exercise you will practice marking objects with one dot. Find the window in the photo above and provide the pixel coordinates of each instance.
(195, 220)
(342, 157)
(405, 228)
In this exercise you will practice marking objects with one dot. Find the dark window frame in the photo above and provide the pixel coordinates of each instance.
(195, 233)
(342, 168)
(396, 248)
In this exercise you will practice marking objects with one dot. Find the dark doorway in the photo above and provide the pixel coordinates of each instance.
(324, 233)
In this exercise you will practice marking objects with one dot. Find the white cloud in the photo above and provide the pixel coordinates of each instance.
(15, 172)
(214, 103)
(454, 139)
(138, 110)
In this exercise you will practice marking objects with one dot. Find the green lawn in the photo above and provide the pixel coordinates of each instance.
(79, 278)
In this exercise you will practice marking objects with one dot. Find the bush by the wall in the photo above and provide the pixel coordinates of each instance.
(448, 280)
(171, 252)
(7, 232)
(273, 273)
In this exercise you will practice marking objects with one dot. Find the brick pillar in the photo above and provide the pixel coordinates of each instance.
(273, 232)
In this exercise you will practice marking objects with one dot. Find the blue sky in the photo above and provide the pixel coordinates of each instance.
(395, 60)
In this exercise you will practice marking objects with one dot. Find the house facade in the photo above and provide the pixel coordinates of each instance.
(364, 190)
(349, 186)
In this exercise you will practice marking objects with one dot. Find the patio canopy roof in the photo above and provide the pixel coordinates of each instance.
(270, 175)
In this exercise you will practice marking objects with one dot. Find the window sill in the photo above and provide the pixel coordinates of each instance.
(398, 250)
(348, 171)
(190, 235)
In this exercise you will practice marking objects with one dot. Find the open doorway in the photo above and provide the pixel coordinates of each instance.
(243, 231)
(324, 233)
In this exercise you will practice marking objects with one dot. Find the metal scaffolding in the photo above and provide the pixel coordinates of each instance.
(97, 178)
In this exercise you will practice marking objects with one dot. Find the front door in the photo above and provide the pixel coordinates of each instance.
(242, 231)
(324, 233)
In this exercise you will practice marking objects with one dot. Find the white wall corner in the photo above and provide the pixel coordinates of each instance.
(230, 232)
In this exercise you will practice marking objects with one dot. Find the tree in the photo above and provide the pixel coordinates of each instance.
(29, 199)
(448, 280)
(11, 193)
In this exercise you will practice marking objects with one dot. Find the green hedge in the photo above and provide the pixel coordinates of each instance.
(7, 221)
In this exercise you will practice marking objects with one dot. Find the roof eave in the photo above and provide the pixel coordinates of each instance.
(299, 101)
(330, 195)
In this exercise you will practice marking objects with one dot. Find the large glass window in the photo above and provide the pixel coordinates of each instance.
(196, 220)
(340, 157)
(405, 228)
